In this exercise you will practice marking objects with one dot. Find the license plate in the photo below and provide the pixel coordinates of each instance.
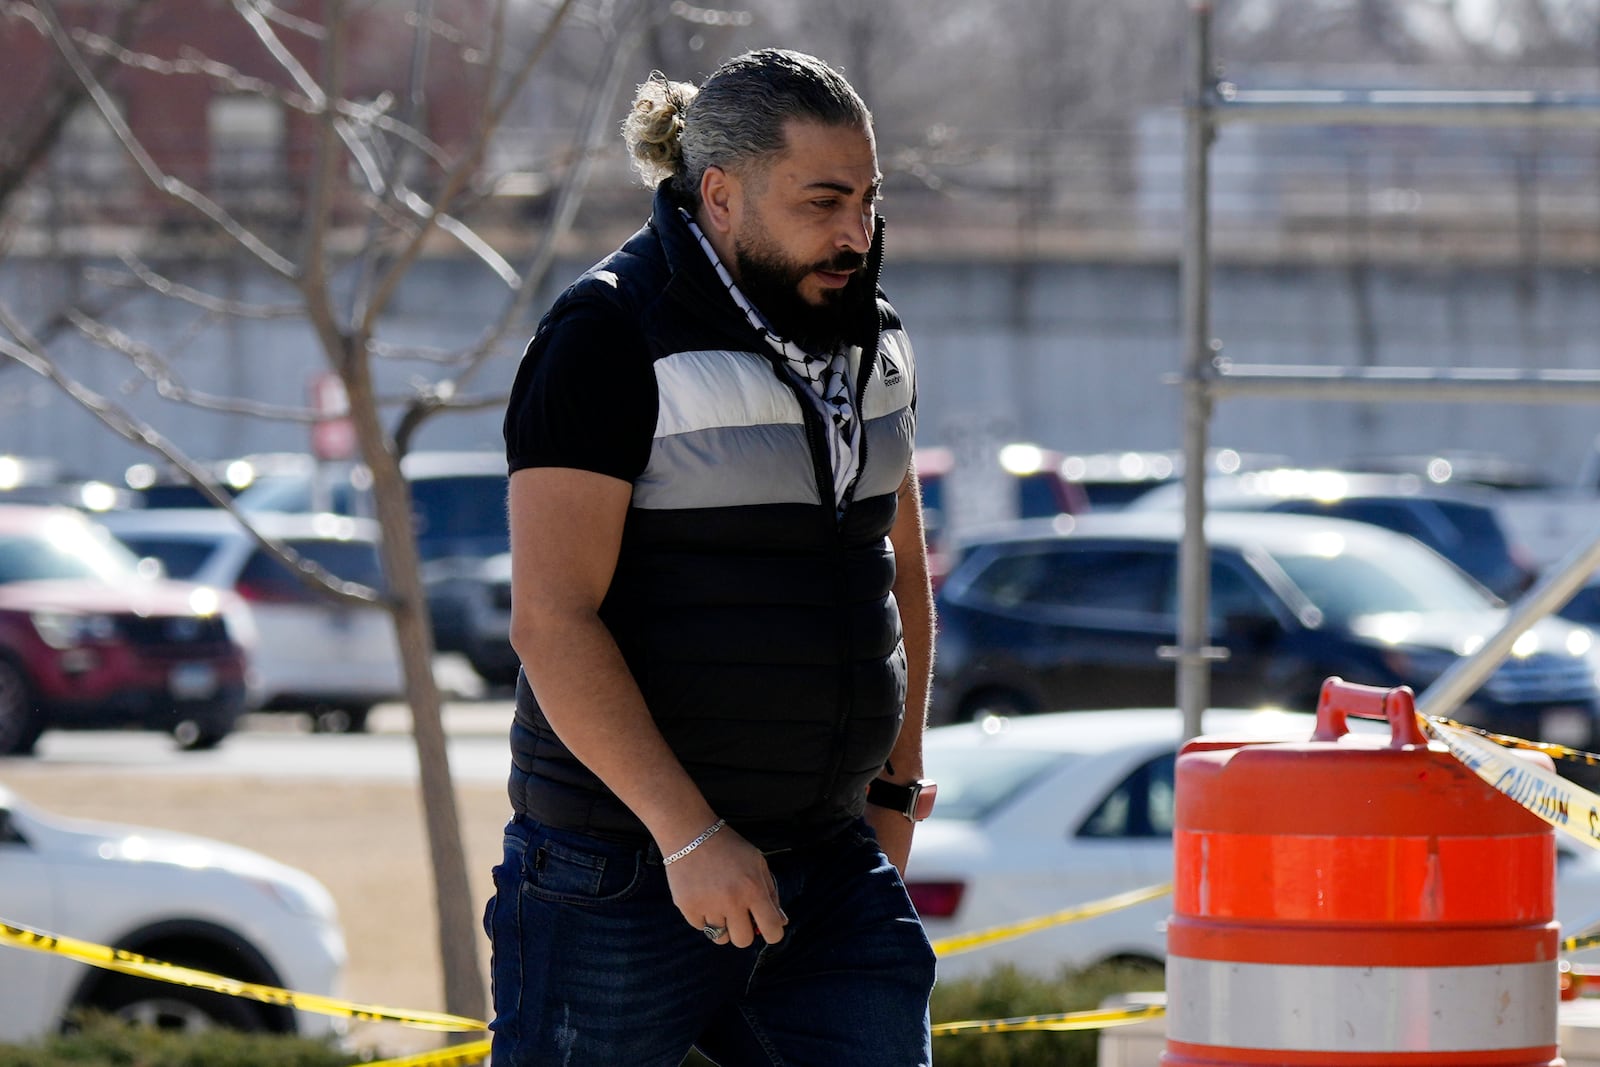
(1568, 726)
(192, 681)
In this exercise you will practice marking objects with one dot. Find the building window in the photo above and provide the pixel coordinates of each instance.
(88, 150)
(247, 141)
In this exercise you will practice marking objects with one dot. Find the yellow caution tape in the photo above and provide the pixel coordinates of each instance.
(1579, 941)
(1549, 748)
(115, 959)
(474, 1053)
(1072, 1020)
(950, 946)
(469, 1055)
(1569, 807)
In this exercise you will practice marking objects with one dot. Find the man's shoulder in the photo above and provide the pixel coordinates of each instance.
(632, 276)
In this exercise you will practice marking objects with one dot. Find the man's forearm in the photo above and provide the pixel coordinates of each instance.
(591, 700)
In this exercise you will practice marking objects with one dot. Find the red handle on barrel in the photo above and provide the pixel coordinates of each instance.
(1340, 699)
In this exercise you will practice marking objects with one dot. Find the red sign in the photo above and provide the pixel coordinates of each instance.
(333, 435)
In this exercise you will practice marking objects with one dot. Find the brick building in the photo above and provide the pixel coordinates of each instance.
(206, 96)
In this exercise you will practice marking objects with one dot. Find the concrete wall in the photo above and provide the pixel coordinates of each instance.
(1069, 355)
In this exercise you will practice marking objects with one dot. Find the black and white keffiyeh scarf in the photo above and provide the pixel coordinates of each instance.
(828, 375)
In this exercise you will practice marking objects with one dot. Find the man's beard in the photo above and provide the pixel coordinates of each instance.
(771, 282)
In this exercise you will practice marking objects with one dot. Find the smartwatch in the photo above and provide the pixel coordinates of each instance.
(914, 800)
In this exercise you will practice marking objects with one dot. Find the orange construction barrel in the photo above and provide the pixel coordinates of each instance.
(1356, 899)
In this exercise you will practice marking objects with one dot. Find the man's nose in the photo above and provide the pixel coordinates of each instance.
(856, 234)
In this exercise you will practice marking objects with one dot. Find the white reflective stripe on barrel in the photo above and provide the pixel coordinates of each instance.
(1361, 1009)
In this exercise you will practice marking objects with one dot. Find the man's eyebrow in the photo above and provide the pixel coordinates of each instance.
(843, 188)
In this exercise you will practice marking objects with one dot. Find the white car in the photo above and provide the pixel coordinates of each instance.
(165, 896)
(310, 652)
(1040, 813)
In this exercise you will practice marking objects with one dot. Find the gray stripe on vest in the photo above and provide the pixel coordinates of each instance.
(890, 438)
(705, 389)
(727, 466)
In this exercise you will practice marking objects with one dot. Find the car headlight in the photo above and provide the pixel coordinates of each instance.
(68, 629)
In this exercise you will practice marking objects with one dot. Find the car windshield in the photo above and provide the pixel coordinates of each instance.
(64, 548)
(1344, 585)
(180, 557)
(975, 780)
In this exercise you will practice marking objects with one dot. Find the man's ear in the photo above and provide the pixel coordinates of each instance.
(722, 199)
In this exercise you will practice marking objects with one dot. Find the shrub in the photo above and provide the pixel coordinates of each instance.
(105, 1042)
(1006, 993)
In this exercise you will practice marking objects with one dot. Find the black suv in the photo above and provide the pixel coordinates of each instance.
(1075, 614)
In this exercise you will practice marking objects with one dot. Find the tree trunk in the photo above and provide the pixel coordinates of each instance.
(458, 930)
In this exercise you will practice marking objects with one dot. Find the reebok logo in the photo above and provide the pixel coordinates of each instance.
(891, 372)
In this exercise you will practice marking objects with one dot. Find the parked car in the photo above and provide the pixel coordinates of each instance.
(1030, 474)
(311, 652)
(458, 504)
(157, 484)
(1584, 607)
(1075, 615)
(1459, 522)
(1044, 812)
(1112, 480)
(171, 897)
(31, 480)
(470, 600)
(88, 640)
(1456, 468)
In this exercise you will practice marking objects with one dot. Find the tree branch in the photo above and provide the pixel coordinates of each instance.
(43, 122)
(27, 351)
(140, 277)
(172, 187)
(156, 369)
(459, 174)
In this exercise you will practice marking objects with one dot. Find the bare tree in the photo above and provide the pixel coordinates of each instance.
(378, 195)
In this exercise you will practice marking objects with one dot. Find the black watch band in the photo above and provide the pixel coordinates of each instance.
(914, 799)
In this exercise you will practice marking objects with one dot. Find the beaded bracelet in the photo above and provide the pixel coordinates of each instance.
(710, 831)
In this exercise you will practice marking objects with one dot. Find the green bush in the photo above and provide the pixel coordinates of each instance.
(105, 1042)
(1005, 993)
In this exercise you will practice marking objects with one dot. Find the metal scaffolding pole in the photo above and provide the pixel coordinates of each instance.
(1194, 567)
(1211, 103)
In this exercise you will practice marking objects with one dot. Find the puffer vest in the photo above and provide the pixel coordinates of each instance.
(759, 625)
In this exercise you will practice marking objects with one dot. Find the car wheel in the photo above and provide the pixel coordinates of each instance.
(999, 702)
(164, 1006)
(350, 719)
(20, 723)
(193, 735)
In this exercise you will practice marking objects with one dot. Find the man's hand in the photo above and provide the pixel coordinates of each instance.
(726, 882)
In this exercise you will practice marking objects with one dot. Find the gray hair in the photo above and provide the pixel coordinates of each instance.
(735, 119)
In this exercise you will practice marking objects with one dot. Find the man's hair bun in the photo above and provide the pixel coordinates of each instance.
(653, 130)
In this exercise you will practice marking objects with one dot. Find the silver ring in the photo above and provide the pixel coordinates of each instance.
(714, 933)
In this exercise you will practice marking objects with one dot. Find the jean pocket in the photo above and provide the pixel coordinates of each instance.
(563, 871)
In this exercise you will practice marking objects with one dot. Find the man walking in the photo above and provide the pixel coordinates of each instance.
(721, 604)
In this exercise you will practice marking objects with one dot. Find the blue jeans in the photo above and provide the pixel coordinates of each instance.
(593, 965)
